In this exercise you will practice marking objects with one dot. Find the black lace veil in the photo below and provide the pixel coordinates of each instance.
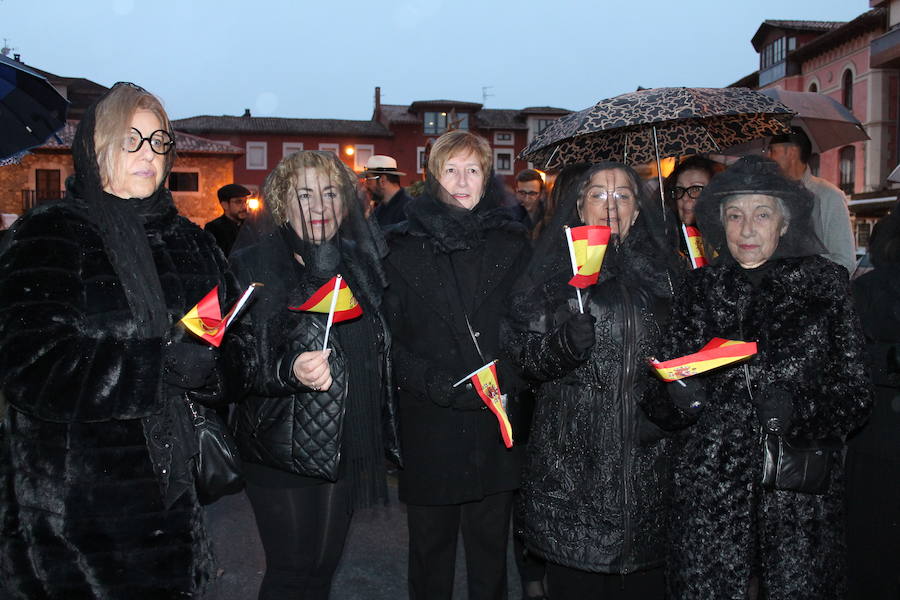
(758, 175)
(647, 253)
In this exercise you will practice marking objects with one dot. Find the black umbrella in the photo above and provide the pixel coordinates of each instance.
(31, 110)
(643, 126)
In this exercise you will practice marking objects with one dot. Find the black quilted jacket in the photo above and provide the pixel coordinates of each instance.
(280, 423)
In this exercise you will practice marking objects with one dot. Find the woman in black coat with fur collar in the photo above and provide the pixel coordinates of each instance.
(449, 274)
(97, 497)
(729, 534)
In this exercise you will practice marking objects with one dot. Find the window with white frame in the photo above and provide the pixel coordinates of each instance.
(503, 138)
(288, 148)
(421, 159)
(361, 155)
(336, 148)
(256, 156)
(503, 161)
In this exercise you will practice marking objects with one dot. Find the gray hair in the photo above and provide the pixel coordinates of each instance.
(780, 206)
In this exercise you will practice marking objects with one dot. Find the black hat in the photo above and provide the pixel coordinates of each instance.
(759, 175)
(232, 190)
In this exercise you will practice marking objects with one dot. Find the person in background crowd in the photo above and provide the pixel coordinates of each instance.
(730, 537)
(873, 456)
(831, 217)
(97, 496)
(682, 188)
(312, 426)
(224, 228)
(592, 501)
(450, 269)
(383, 184)
(530, 194)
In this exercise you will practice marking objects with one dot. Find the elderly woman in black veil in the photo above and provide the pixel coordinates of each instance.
(592, 498)
(309, 422)
(731, 536)
(96, 492)
(450, 271)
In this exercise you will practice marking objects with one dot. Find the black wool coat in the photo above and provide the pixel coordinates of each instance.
(450, 456)
(81, 513)
(724, 528)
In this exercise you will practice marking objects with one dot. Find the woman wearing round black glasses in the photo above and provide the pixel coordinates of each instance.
(97, 497)
(683, 187)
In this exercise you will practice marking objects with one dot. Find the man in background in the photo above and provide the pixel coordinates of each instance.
(233, 198)
(383, 184)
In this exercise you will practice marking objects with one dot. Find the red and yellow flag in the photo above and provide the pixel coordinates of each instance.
(346, 306)
(717, 353)
(694, 246)
(485, 382)
(205, 320)
(587, 246)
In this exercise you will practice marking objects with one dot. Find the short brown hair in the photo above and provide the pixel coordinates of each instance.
(278, 189)
(529, 175)
(113, 120)
(456, 142)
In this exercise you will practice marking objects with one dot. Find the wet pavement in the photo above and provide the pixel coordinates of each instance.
(373, 566)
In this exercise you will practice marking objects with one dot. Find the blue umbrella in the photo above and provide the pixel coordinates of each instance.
(31, 110)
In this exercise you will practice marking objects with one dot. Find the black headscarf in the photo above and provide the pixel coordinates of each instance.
(647, 254)
(119, 222)
(758, 175)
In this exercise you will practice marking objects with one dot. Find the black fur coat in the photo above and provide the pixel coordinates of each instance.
(725, 529)
(81, 513)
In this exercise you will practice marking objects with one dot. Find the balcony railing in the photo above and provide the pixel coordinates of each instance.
(31, 198)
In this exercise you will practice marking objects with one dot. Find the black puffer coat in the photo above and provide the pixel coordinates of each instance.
(81, 514)
(279, 422)
(592, 495)
(724, 527)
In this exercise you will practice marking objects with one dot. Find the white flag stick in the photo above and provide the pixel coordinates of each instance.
(469, 376)
(239, 305)
(574, 264)
(334, 295)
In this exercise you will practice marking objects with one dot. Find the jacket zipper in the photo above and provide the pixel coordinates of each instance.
(628, 341)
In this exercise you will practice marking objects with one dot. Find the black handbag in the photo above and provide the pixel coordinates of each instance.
(217, 466)
(797, 465)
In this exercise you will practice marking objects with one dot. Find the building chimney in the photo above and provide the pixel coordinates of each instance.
(376, 115)
(17, 57)
(246, 112)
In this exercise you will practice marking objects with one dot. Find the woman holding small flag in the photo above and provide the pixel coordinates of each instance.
(732, 536)
(683, 186)
(97, 496)
(450, 270)
(583, 316)
(315, 412)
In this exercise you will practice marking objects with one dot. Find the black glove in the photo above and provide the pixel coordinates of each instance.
(689, 397)
(577, 333)
(441, 391)
(187, 365)
(774, 409)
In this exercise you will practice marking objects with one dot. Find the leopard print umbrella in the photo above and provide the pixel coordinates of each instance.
(685, 120)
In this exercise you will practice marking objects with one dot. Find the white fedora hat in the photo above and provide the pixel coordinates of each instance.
(382, 164)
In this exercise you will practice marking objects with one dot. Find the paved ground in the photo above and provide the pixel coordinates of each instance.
(373, 566)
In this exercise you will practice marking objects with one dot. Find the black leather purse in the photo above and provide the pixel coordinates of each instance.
(797, 466)
(217, 467)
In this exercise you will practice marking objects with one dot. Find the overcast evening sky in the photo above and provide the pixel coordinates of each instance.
(323, 58)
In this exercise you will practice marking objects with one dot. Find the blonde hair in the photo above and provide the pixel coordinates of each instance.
(279, 188)
(113, 120)
(457, 142)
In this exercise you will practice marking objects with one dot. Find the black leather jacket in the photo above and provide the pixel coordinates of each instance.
(592, 497)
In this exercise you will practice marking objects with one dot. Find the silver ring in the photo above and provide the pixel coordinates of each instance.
(315, 387)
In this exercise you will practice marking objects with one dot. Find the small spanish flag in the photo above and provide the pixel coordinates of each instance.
(717, 353)
(345, 307)
(587, 246)
(694, 246)
(205, 320)
(485, 382)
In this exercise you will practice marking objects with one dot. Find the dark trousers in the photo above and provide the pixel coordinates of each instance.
(565, 583)
(433, 531)
(302, 530)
